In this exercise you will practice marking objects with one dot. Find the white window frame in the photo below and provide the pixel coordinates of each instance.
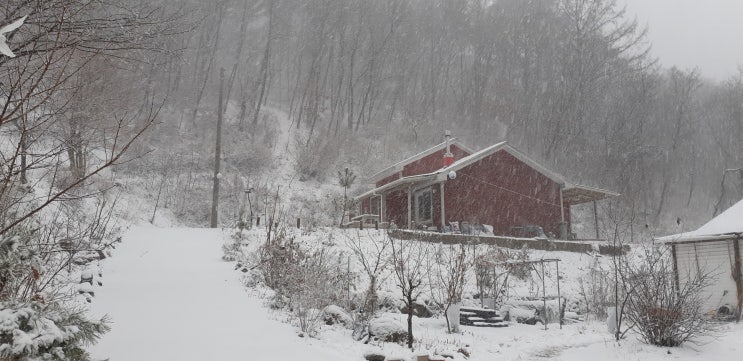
(418, 195)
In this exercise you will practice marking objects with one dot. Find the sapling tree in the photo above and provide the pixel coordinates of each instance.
(408, 260)
(345, 180)
(446, 272)
(373, 257)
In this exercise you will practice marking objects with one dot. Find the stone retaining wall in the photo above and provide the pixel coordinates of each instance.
(509, 242)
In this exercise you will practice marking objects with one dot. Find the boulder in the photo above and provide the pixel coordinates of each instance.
(372, 355)
(419, 310)
(334, 315)
(387, 329)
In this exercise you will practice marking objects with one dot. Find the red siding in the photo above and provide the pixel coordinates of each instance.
(498, 190)
(432, 162)
(388, 179)
(504, 192)
(426, 164)
(397, 208)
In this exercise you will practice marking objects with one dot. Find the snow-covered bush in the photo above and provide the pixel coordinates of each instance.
(387, 329)
(596, 290)
(334, 315)
(662, 313)
(49, 332)
(310, 281)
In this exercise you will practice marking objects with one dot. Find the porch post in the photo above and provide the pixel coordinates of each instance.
(410, 206)
(383, 207)
(443, 208)
(563, 225)
(596, 220)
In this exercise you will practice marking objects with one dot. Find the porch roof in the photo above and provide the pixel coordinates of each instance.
(574, 194)
(398, 183)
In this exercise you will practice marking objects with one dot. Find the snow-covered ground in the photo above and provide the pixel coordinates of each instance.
(172, 297)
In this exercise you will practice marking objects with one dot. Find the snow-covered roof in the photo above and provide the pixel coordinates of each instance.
(726, 225)
(474, 157)
(441, 174)
(397, 167)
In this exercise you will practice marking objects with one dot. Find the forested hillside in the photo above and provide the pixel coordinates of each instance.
(572, 83)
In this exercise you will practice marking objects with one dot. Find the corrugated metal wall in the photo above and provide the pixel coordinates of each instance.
(717, 257)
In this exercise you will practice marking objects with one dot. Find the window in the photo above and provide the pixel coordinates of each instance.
(374, 205)
(423, 206)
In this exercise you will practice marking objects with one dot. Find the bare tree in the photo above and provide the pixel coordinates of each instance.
(664, 313)
(446, 272)
(373, 257)
(408, 260)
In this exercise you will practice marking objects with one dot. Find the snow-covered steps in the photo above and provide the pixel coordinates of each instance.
(480, 317)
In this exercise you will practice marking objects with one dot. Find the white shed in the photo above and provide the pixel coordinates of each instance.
(715, 247)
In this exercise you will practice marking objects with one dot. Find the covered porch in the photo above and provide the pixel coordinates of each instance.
(573, 195)
(419, 202)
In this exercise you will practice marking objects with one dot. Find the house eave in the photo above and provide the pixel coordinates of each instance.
(399, 166)
(398, 183)
(683, 238)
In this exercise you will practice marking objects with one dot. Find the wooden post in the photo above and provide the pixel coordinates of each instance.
(443, 207)
(563, 226)
(410, 207)
(596, 220)
(544, 295)
(382, 207)
(559, 298)
(217, 156)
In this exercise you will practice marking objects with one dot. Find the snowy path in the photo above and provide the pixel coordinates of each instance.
(171, 297)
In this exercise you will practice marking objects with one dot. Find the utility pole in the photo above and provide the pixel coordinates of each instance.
(217, 155)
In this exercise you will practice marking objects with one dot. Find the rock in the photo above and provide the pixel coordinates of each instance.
(334, 315)
(374, 356)
(387, 329)
(419, 310)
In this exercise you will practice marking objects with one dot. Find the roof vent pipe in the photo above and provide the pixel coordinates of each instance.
(448, 156)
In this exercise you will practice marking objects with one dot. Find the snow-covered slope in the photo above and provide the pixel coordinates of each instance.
(171, 297)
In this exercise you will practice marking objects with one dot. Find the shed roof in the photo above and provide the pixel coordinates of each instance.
(728, 224)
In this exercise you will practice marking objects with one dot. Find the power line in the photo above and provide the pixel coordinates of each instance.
(512, 191)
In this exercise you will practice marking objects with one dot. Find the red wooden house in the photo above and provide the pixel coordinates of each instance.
(498, 186)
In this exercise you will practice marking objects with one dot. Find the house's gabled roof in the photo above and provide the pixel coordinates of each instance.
(474, 157)
(726, 225)
(397, 167)
(576, 194)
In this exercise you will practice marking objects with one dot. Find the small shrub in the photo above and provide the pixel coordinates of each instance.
(308, 281)
(49, 332)
(663, 314)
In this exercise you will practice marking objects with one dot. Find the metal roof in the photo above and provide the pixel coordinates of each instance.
(572, 193)
(578, 194)
(727, 225)
(386, 172)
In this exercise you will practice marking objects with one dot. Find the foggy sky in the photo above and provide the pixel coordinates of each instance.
(693, 33)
